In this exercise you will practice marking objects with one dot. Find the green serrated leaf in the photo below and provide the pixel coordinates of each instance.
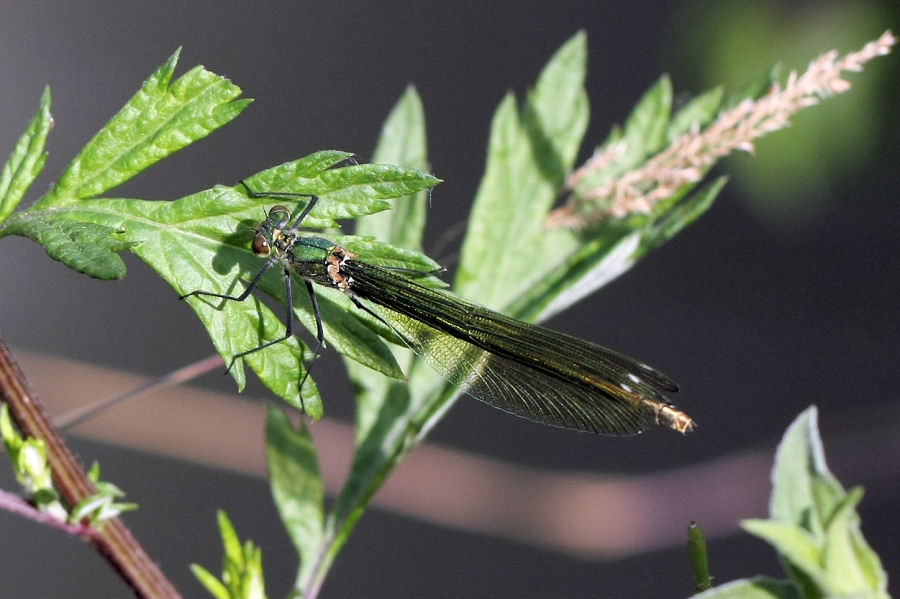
(209, 580)
(203, 242)
(813, 524)
(804, 492)
(385, 254)
(402, 142)
(851, 567)
(529, 153)
(242, 576)
(644, 133)
(86, 247)
(845, 576)
(797, 545)
(297, 488)
(158, 121)
(579, 263)
(645, 129)
(583, 263)
(696, 113)
(102, 505)
(344, 332)
(671, 221)
(28, 456)
(344, 192)
(383, 405)
(230, 541)
(352, 336)
(755, 88)
(11, 438)
(32, 469)
(583, 266)
(27, 159)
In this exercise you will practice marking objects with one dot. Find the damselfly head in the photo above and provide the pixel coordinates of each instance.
(270, 230)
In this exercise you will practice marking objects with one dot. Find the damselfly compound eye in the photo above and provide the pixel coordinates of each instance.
(260, 246)
(280, 208)
(281, 213)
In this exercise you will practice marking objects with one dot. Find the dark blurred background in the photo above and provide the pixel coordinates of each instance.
(783, 295)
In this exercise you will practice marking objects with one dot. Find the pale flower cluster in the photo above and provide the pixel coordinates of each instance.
(688, 157)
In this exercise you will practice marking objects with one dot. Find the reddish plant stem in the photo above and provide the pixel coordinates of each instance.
(16, 505)
(114, 541)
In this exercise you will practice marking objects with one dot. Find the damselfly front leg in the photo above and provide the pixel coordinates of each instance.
(275, 238)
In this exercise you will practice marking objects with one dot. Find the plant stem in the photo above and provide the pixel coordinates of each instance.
(113, 541)
(176, 377)
(16, 505)
(697, 548)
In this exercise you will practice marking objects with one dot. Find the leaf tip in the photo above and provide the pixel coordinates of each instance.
(163, 75)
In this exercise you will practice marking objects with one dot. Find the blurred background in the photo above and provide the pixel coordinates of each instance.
(783, 295)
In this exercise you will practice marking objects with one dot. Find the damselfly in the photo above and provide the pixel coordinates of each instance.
(527, 370)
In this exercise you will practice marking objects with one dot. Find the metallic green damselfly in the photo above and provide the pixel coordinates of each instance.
(527, 370)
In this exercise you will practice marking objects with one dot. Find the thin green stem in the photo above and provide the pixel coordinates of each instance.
(176, 377)
(697, 549)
